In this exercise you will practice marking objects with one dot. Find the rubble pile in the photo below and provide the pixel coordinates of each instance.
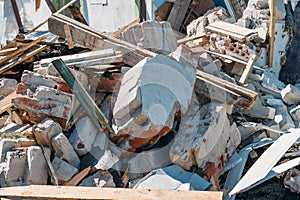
(149, 110)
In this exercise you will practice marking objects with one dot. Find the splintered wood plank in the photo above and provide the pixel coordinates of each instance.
(5, 103)
(248, 69)
(178, 13)
(22, 50)
(267, 161)
(22, 59)
(78, 177)
(243, 92)
(68, 36)
(6, 52)
(71, 192)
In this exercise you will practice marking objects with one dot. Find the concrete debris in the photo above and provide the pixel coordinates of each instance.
(208, 144)
(290, 95)
(63, 170)
(148, 107)
(292, 180)
(64, 150)
(172, 178)
(37, 167)
(45, 131)
(141, 118)
(99, 179)
(7, 86)
(83, 136)
(152, 35)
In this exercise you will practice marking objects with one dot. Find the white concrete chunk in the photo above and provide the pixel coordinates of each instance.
(45, 130)
(64, 171)
(7, 86)
(37, 172)
(99, 179)
(291, 95)
(295, 113)
(271, 82)
(150, 94)
(5, 146)
(260, 111)
(64, 150)
(83, 136)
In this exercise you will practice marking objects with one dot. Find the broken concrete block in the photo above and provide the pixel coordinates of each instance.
(99, 179)
(152, 35)
(64, 171)
(271, 82)
(7, 86)
(83, 136)
(205, 139)
(290, 95)
(40, 97)
(260, 111)
(16, 166)
(37, 173)
(64, 150)
(6, 145)
(150, 95)
(282, 116)
(45, 130)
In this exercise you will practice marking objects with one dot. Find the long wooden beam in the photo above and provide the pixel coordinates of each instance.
(70, 192)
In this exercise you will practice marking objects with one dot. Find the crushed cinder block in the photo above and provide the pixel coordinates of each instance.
(205, 139)
(290, 95)
(260, 111)
(282, 117)
(83, 136)
(99, 179)
(45, 130)
(63, 170)
(150, 95)
(15, 168)
(7, 86)
(64, 150)
(152, 35)
(37, 171)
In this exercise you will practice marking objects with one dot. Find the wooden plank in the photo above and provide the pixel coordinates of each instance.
(243, 92)
(188, 39)
(22, 50)
(95, 62)
(5, 103)
(70, 192)
(93, 39)
(267, 160)
(68, 36)
(78, 177)
(22, 59)
(178, 13)
(248, 69)
(8, 51)
(272, 32)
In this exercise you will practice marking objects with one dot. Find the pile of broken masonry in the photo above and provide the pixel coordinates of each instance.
(147, 110)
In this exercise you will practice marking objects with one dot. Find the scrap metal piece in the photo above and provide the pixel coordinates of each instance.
(82, 95)
(267, 160)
